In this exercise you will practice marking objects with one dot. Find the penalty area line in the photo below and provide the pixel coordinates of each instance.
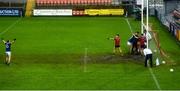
(10, 26)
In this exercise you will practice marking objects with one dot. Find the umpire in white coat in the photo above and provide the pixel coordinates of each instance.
(148, 56)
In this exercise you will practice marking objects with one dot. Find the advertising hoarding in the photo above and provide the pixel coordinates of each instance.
(52, 12)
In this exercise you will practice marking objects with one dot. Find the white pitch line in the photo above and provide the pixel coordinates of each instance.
(85, 59)
(10, 26)
(154, 78)
(150, 70)
(129, 25)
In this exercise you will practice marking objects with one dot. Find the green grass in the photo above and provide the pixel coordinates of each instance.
(168, 43)
(49, 54)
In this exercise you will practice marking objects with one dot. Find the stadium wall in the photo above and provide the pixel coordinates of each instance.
(174, 29)
(171, 5)
(165, 12)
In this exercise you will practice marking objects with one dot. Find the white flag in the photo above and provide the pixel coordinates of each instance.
(157, 62)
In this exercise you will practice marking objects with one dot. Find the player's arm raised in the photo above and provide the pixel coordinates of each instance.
(13, 41)
(3, 40)
(111, 38)
(135, 36)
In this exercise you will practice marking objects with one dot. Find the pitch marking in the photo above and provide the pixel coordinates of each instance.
(10, 26)
(150, 70)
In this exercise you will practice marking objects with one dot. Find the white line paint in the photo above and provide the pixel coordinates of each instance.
(85, 59)
(150, 70)
(129, 25)
(10, 26)
(155, 79)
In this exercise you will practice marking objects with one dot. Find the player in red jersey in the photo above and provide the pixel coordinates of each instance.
(117, 42)
(142, 41)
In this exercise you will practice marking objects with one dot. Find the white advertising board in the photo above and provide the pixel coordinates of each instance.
(52, 12)
(139, 2)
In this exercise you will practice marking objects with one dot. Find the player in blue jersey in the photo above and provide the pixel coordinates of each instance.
(8, 50)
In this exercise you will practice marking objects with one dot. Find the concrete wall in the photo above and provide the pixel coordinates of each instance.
(170, 5)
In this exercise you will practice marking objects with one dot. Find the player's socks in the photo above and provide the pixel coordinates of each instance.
(5, 62)
(8, 64)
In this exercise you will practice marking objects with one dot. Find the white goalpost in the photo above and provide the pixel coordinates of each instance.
(143, 26)
(142, 16)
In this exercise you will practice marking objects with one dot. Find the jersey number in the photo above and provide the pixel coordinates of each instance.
(7, 46)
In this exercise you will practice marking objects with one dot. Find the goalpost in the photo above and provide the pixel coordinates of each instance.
(143, 26)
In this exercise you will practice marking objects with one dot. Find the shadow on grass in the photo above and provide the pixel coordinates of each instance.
(77, 59)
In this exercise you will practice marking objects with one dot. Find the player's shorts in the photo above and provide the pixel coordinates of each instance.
(117, 46)
(8, 53)
(129, 43)
(143, 46)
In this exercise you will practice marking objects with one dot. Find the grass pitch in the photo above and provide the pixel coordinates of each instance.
(50, 52)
